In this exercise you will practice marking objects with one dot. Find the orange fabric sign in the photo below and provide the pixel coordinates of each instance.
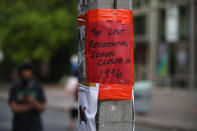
(109, 52)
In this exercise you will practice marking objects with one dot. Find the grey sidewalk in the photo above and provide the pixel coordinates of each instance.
(170, 108)
(173, 109)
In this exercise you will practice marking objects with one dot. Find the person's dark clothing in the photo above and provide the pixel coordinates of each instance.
(73, 113)
(29, 121)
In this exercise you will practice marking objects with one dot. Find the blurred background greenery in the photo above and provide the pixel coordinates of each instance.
(38, 31)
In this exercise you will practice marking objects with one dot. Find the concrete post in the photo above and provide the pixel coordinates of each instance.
(192, 45)
(153, 40)
(111, 115)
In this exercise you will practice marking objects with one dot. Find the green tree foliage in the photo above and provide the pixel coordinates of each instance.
(36, 29)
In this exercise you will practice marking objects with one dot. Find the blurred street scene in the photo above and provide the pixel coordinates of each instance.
(165, 41)
(170, 110)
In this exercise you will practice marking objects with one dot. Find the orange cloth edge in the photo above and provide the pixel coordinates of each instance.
(96, 15)
(125, 16)
(117, 92)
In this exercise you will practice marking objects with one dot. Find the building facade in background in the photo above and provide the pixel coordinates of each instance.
(165, 35)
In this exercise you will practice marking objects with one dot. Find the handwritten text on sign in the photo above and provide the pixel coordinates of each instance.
(108, 53)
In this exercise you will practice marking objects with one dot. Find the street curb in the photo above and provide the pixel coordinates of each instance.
(57, 109)
(2, 98)
(141, 123)
(138, 122)
(160, 126)
(48, 107)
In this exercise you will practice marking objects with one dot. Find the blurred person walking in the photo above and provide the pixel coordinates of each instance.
(71, 91)
(27, 101)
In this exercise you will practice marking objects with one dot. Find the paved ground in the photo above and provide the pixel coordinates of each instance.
(170, 109)
(53, 120)
(173, 108)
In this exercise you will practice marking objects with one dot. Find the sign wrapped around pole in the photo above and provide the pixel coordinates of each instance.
(105, 60)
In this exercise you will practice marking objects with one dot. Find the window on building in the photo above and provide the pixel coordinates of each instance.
(139, 4)
(139, 23)
(161, 28)
(183, 22)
